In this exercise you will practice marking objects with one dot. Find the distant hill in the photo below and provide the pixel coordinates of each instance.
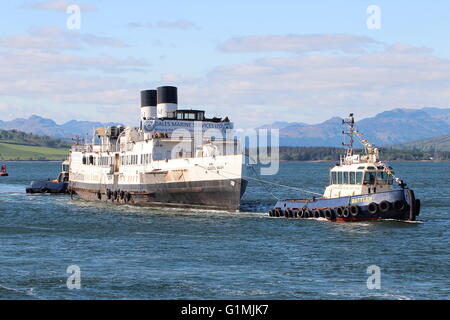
(17, 145)
(30, 139)
(9, 151)
(441, 143)
(387, 128)
(43, 126)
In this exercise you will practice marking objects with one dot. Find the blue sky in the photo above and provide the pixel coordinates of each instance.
(255, 61)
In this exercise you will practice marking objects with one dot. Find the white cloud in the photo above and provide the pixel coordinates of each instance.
(50, 38)
(44, 71)
(315, 87)
(181, 24)
(58, 5)
(298, 43)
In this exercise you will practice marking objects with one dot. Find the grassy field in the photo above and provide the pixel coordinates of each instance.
(11, 151)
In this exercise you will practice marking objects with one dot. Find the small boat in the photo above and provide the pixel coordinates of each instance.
(58, 185)
(361, 189)
(3, 172)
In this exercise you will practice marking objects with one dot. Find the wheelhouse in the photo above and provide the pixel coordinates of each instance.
(361, 175)
(194, 115)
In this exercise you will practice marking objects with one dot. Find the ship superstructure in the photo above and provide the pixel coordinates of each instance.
(176, 157)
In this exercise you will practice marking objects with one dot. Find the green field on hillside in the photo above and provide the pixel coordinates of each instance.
(11, 151)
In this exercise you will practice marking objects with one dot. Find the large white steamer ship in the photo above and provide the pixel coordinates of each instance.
(176, 158)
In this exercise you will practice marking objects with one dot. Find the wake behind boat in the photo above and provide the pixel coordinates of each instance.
(361, 188)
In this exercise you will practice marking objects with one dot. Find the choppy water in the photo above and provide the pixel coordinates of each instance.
(146, 253)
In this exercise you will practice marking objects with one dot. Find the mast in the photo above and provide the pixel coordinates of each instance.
(350, 121)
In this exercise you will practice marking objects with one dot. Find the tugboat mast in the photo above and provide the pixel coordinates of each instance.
(350, 121)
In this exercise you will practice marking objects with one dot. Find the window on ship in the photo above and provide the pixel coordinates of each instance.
(369, 177)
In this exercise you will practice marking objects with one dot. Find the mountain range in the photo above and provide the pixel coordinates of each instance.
(387, 128)
(43, 126)
(393, 127)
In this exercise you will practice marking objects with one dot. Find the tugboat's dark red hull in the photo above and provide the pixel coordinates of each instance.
(392, 205)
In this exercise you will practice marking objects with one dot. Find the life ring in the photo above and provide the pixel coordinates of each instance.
(346, 212)
(354, 210)
(372, 208)
(399, 205)
(384, 206)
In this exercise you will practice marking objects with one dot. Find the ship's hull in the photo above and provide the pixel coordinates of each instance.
(47, 187)
(396, 205)
(210, 194)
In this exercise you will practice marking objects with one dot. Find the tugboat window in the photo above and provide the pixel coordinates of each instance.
(358, 177)
(352, 177)
(369, 177)
(345, 178)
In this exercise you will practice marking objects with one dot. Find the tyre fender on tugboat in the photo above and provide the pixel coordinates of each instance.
(384, 206)
(399, 205)
(338, 211)
(354, 211)
(304, 213)
(45, 190)
(277, 212)
(412, 205)
(346, 212)
(287, 213)
(372, 208)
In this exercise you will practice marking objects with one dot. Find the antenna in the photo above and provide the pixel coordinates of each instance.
(350, 121)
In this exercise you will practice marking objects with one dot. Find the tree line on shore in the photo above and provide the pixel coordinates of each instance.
(334, 154)
(31, 139)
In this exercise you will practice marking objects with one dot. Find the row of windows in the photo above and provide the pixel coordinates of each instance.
(136, 159)
(125, 160)
(370, 177)
(101, 161)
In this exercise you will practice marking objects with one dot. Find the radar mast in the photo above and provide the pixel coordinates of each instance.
(349, 121)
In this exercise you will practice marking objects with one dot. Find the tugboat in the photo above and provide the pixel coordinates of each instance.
(3, 172)
(361, 189)
(58, 185)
